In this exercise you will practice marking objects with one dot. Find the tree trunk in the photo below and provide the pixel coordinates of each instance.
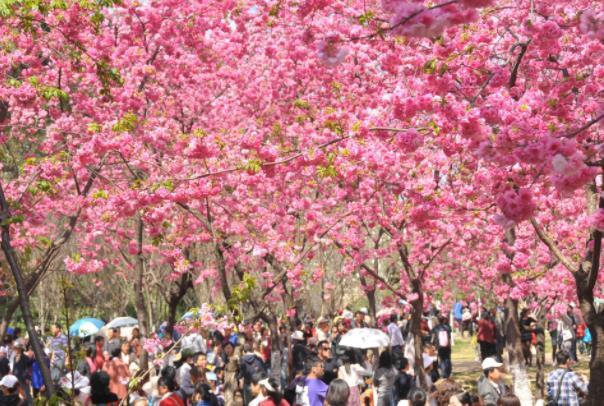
(416, 318)
(370, 293)
(540, 378)
(11, 258)
(141, 308)
(516, 364)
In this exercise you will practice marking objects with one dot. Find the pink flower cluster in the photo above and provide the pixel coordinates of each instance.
(571, 173)
(597, 220)
(409, 141)
(81, 267)
(415, 20)
(592, 24)
(330, 52)
(516, 206)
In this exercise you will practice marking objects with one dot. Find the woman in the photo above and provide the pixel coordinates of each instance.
(383, 379)
(508, 400)
(352, 373)
(338, 394)
(271, 393)
(119, 374)
(100, 394)
(166, 388)
(204, 396)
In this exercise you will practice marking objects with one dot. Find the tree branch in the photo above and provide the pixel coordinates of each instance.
(553, 248)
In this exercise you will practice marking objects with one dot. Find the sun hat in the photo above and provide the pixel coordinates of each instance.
(491, 362)
(9, 381)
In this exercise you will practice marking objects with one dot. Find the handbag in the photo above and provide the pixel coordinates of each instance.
(554, 401)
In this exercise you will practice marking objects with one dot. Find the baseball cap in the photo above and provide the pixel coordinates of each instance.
(298, 335)
(9, 381)
(267, 385)
(491, 362)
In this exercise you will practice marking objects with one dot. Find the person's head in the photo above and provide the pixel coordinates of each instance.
(508, 400)
(163, 386)
(203, 392)
(186, 355)
(323, 324)
(324, 349)
(202, 361)
(116, 352)
(99, 384)
(115, 333)
(18, 346)
(229, 349)
(89, 352)
(255, 384)
(169, 373)
(403, 364)
(492, 369)
(385, 360)
(270, 389)
(563, 359)
(393, 318)
(55, 329)
(359, 316)
(9, 384)
(442, 319)
(248, 348)
(417, 397)
(125, 347)
(315, 367)
(338, 393)
(136, 333)
(99, 341)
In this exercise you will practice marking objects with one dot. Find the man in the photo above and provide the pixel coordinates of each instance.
(563, 384)
(397, 343)
(22, 362)
(331, 364)
(9, 387)
(317, 389)
(404, 380)
(184, 373)
(256, 390)
(58, 345)
(359, 319)
(442, 341)
(98, 358)
(490, 385)
(114, 341)
(300, 351)
(250, 365)
(322, 329)
(526, 335)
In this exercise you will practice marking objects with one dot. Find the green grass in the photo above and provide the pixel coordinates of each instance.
(466, 369)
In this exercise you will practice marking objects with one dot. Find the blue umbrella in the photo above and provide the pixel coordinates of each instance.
(86, 327)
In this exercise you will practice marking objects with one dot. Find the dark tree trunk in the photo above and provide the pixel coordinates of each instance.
(176, 295)
(540, 378)
(15, 267)
(141, 307)
(416, 318)
(370, 293)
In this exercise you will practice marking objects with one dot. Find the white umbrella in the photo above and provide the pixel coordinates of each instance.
(365, 338)
(122, 322)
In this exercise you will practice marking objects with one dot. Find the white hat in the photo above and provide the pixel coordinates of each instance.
(267, 385)
(427, 360)
(298, 335)
(364, 310)
(491, 362)
(9, 381)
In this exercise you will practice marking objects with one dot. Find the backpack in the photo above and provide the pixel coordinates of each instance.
(256, 367)
(302, 395)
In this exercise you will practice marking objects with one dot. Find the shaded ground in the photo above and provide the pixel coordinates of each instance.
(466, 367)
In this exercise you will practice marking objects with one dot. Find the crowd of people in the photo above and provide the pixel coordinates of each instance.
(243, 366)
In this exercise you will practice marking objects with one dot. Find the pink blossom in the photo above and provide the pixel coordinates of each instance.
(330, 52)
(516, 206)
(592, 24)
(597, 220)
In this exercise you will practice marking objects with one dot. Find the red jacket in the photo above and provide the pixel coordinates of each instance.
(486, 331)
(172, 400)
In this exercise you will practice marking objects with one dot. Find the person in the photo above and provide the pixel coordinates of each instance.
(9, 386)
(255, 390)
(487, 338)
(97, 356)
(404, 381)
(323, 329)
(466, 322)
(508, 400)
(552, 327)
(563, 384)
(383, 379)
(352, 373)
(22, 363)
(272, 396)
(114, 341)
(125, 353)
(338, 393)
(119, 374)
(250, 365)
(526, 335)
(442, 341)
(195, 342)
(331, 364)
(567, 333)
(397, 342)
(417, 397)
(204, 396)
(58, 344)
(490, 384)
(300, 351)
(184, 373)
(100, 394)
(359, 320)
(317, 389)
(167, 391)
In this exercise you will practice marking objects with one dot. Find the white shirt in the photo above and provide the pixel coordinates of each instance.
(256, 401)
(396, 337)
(355, 376)
(194, 342)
